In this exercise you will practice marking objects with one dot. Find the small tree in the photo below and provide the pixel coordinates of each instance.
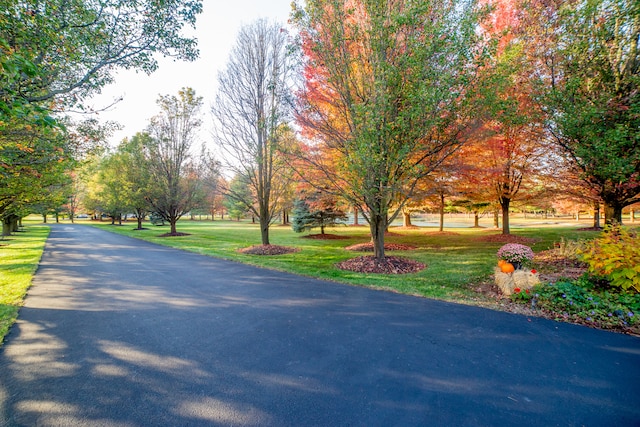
(236, 197)
(173, 169)
(320, 210)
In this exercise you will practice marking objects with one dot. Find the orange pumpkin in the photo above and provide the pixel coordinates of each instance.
(507, 267)
(501, 263)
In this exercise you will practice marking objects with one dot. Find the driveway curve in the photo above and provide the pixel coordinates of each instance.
(120, 332)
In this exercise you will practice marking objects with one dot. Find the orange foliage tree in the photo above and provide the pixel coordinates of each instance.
(385, 97)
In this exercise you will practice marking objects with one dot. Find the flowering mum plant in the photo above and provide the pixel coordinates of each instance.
(515, 252)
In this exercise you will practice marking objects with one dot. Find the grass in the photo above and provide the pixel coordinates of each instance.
(19, 258)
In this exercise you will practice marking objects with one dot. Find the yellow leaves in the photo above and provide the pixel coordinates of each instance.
(24, 148)
(615, 255)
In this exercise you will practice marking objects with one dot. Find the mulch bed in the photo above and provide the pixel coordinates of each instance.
(325, 237)
(442, 233)
(174, 234)
(390, 265)
(368, 247)
(552, 266)
(268, 250)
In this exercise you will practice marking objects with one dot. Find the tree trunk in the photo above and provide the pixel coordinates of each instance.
(6, 228)
(596, 215)
(355, 216)
(378, 225)
(504, 203)
(44, 218)
(632, 215)
(476, 220)
(496, 218)
(406, 219)
(264, 230)
(442, 212)
(172, 223)
(612, 213)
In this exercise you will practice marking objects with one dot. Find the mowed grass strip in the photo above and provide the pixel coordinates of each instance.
(19, 257)
(455, 259)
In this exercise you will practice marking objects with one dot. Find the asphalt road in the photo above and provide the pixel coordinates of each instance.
(120, 332)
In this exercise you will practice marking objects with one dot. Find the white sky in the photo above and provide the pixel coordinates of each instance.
(216, 30)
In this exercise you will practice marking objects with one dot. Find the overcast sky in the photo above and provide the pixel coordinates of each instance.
(216, 30)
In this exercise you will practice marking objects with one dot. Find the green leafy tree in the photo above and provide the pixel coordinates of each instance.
(590, 75)
(237, 197)
(32, 160)
(386, 95)
(62, 51)
(316, 210)
(136, 173)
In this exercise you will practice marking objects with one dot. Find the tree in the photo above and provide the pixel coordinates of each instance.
(251, 111)
(316, 210)
(32, 160)
(173, 169)
(236, 198)
(589, 75)
(54, 54)
(136, 173)
(385, 96)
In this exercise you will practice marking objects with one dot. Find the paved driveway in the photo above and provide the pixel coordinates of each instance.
(119, 332)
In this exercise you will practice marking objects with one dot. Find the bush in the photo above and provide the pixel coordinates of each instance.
(615, 255)
(584, 302)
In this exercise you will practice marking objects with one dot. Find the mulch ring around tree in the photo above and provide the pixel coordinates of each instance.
(174, 234)
(268, 250)
(325, 237)
(390, 265)
(368, 247)
(507, 238)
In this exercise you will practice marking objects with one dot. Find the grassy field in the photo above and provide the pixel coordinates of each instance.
(19, 258)
(455, 259)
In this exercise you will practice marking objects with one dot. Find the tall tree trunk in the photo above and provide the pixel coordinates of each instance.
(44, 218)
(496, 218)
(6, 228)
(355, 216)
(442, 212)
(596, 215)
(172, 223)
(476, 220)
(406, 219)
(504, 203)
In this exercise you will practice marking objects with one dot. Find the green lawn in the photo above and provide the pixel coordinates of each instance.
(19, 258)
